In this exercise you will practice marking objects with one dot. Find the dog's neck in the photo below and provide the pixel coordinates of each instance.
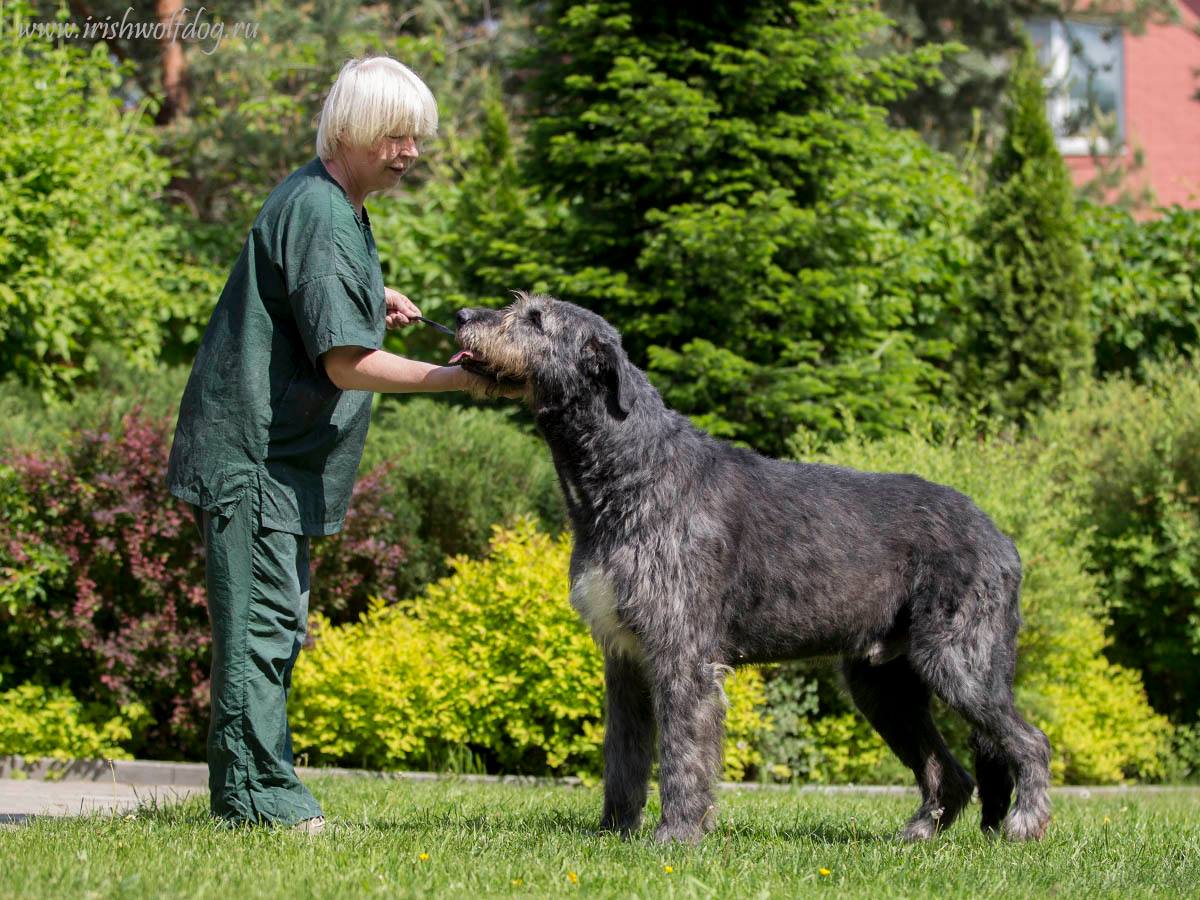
(607, 466)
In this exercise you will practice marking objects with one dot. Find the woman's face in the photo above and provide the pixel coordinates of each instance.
(383, 164)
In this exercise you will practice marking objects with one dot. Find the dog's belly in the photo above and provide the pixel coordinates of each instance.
(773, 633)
(595, 599)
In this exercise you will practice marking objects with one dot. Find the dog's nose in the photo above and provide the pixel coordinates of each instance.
(462, 317)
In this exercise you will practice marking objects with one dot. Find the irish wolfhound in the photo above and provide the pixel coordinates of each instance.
(692, 556)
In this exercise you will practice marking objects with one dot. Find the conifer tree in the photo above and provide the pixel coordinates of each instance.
(1027, 331)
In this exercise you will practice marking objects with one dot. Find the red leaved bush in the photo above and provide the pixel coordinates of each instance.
(102, 572)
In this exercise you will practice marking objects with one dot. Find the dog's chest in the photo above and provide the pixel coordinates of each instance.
(595, 599)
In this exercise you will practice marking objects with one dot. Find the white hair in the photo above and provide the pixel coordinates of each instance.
(373, 97)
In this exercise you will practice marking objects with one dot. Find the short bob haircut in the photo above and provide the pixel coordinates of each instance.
(373, 97)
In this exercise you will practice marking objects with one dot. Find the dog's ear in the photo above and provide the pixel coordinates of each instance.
(605, 362)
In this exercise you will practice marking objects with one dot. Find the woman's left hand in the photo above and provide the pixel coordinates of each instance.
(400, 310)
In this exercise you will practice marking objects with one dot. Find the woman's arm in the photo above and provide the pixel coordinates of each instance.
(360, 369)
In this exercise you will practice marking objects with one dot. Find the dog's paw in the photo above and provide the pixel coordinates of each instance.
(667, 833)
(1026, 826)
(624, 826)
(918, 830)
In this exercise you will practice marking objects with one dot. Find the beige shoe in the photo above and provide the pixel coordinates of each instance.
(314, 825)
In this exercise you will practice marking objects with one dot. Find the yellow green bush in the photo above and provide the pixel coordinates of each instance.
(36, 721)
(1095, 712)
(491, 659)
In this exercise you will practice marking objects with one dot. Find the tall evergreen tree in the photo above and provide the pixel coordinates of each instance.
(1027, 332)
(736, 202)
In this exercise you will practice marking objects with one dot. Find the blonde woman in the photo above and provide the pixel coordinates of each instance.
(275, 414)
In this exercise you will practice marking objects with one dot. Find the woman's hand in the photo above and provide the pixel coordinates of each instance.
(400, 310)
(482, 388)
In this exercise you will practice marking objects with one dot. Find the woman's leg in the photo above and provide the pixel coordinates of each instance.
(258, 604)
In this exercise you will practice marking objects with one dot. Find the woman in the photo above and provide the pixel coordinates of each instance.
(275, 414)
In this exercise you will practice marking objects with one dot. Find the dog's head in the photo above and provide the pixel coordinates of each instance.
(562, 352)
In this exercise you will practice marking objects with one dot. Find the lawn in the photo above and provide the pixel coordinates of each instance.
(453, 838)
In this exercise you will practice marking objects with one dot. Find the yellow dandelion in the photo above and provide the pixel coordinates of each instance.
(668, 869)
(573, 878)
(423, 856)
(824, 873)
(517, 882)
(1106, 820)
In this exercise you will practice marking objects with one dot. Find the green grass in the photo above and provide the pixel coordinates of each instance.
(499, 839)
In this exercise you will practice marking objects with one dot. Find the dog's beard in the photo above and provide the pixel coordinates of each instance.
(491, 359)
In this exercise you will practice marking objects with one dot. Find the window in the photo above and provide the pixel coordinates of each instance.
(1085, 83)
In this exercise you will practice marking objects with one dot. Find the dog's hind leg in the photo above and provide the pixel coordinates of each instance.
(969, 660)
(896, 703)
(995, 781)
(628, 743)
(690, 707)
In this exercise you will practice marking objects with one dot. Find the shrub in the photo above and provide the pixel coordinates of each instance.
(460, 470)
(726, 189)
(87, 258)
(1132, 453)
(1145, 286)
(35, 721)
(29, 423)
(1094, 711)
(492, 659)
(102, 576)
(815, 737)
(103, 587)
(1026, 336)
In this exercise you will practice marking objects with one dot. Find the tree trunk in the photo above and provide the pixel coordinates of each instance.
(175, 99)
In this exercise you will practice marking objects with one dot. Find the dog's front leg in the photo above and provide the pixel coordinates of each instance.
(690, 706)
(628, 743)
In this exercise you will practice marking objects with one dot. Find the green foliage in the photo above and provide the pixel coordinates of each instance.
(456, 471)
(1026, 336)
(256, 101)
(1094, 711)
(35, 721)
(27, 421)
(725, 189)
(1145, 285)
(492, 659)
(87, 257)
(1132, 452)
(814, 736)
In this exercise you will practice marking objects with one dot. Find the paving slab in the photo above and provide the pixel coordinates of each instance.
(21, 800)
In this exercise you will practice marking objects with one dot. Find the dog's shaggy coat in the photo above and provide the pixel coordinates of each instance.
(692, 556)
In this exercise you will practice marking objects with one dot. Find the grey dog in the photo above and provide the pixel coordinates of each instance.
(692, 556)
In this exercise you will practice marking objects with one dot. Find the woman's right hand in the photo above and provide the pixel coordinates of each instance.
(483, 388)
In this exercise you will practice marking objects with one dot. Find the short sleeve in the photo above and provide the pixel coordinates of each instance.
(335, 311)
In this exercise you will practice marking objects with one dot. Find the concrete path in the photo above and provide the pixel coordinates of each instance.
(45, 787)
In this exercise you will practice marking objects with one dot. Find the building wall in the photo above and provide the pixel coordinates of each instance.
(1162, 112)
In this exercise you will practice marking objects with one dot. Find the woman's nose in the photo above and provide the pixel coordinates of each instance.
(409, 148)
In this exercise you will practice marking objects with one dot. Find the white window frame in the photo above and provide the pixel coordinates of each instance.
(1058, 100)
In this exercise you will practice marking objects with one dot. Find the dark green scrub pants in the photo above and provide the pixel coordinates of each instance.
(258, 602)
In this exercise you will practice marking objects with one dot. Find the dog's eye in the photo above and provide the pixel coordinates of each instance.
(535, 319)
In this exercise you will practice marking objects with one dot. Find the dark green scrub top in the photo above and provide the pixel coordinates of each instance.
(259, 412)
